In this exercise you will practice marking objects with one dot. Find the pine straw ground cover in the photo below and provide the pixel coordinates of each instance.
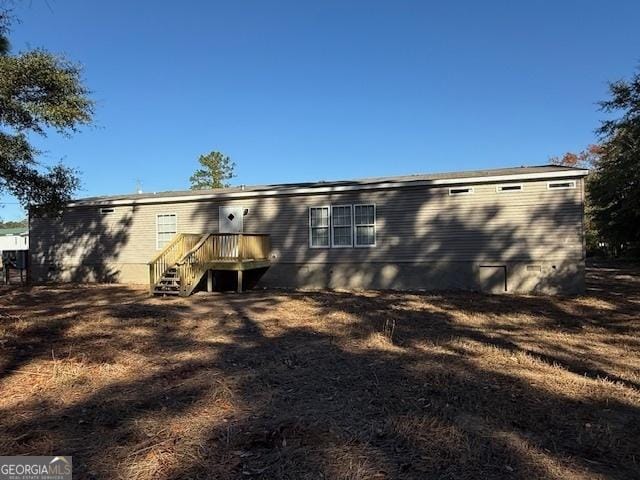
(365, 385)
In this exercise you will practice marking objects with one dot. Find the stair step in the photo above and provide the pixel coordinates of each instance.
(166, 292)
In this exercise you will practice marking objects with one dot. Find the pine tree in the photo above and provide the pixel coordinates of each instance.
(216, 169)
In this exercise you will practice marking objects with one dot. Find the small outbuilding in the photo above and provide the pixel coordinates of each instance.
(14, 239)
(14, 245)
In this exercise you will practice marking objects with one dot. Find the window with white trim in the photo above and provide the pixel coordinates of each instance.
(341, 226)
(509, 187)
(364, 217)
(460, 191)
(319, 227)
(166, 228)
(561, 184)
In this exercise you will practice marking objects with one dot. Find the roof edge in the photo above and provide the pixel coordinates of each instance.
(573, 172)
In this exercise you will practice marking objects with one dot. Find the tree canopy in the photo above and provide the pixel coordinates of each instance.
(216, 169)
(587, 158)
(614, 186)
(39, 93)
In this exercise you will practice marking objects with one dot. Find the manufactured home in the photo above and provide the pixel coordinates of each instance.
(503, 230)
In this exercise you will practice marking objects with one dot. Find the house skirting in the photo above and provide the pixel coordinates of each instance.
(548, 277)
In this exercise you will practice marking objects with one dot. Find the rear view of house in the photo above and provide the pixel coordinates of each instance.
(505, 230)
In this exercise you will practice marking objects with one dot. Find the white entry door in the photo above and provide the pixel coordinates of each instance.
(230, 219)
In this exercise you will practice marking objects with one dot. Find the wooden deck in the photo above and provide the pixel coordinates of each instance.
(178, 269)
(238, 265)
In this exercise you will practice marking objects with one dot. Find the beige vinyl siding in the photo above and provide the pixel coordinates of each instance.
(413, 224)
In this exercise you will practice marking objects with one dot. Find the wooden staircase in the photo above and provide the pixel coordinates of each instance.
(169, 283)
(178, 269)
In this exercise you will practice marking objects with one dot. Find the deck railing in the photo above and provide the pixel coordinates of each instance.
(169, 256)
(193, 254)
(254, 246)
(220, 247)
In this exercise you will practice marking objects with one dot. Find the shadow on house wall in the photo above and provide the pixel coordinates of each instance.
(82, 245)
(426, 239)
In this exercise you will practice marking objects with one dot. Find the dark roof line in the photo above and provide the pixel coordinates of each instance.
(402, 180)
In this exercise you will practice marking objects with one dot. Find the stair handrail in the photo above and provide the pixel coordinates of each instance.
(168, 257)
(175, 240)
(165, 259)
(196, 247)
(204, 249)
(191, 268)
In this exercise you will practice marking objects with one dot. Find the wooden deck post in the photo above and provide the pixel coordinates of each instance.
(239, 281)
(209, 281)
(152, 277)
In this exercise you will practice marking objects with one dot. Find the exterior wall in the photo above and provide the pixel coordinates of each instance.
(426, 239)
(552, 278)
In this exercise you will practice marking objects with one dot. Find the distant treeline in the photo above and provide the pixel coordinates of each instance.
(14, 224)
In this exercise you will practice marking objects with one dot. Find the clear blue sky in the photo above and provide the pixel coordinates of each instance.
(300, 90)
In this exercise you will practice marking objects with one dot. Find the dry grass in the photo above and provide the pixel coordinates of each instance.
(366, 385)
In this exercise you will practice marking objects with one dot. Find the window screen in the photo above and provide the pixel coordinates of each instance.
(341, 226)
(166, 228)
(319, 226)
(365, 225)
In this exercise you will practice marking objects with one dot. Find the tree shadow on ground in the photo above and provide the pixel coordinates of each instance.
(56, 312)
(328, 385)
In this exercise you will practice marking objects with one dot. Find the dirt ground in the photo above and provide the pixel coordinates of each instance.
(366, 385)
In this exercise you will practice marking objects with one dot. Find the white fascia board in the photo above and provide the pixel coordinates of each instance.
(335, 189)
